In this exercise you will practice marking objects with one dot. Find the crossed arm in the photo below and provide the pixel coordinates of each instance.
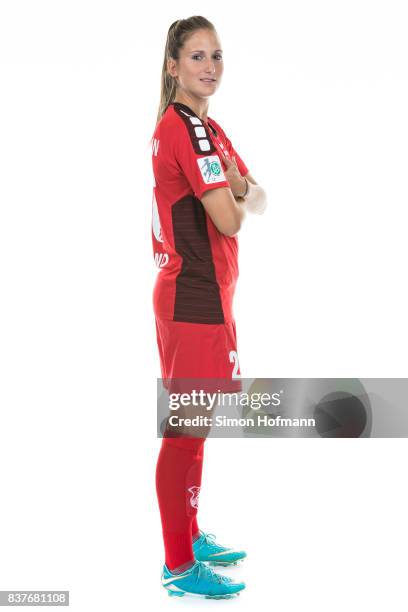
(228, 211)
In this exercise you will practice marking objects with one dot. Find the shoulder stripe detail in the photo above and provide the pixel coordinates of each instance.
(198, 131)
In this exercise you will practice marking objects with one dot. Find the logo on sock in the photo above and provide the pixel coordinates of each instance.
(195, 492)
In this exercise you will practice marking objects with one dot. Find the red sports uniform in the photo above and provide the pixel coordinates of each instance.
(192, 301)
(198, 265)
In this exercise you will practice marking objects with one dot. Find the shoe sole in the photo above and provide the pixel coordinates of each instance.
(183, 593)
(225, 563)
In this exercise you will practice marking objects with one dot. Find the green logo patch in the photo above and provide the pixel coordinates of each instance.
(215, 168)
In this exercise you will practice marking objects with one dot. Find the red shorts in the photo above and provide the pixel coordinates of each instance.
(199, 351)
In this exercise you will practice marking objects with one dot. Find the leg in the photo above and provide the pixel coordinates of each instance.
(195, 531)
(178, 482)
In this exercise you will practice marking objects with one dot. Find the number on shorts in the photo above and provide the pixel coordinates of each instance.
(233, 357)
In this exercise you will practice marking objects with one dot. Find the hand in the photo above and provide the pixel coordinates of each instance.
(233, 176)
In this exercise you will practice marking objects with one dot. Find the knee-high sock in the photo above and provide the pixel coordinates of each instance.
(194, 524)
(178, 482)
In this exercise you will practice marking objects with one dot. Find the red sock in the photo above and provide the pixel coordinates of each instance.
(178, 482)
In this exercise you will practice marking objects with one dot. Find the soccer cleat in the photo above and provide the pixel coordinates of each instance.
(200, 581)
(207, 549)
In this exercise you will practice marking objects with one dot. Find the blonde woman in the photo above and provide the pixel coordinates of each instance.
(201, 194)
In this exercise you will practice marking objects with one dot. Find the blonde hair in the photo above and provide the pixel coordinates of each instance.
(177, 35)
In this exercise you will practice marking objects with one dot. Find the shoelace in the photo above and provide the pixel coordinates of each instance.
(209, 573)
(209, 538)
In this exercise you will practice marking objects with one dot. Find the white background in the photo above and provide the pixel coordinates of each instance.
(314, 98)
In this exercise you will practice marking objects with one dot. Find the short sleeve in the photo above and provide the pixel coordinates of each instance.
(203, 170)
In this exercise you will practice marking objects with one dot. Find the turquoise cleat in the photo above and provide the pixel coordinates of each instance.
(207, 549)
(200, 581)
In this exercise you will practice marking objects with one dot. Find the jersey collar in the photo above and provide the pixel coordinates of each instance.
(187, 109)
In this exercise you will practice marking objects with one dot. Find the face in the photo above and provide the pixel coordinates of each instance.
(198, 71)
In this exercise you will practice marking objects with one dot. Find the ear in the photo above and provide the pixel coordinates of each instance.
(172, 67)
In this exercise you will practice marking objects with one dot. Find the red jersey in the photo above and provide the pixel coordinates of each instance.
(198, 265)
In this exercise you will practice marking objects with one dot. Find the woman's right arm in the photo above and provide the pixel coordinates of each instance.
(225, 211)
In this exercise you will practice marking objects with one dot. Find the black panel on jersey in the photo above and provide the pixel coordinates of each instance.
(198, 298)
(179, 108)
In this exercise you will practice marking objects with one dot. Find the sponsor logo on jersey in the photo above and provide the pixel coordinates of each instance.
(211, 170)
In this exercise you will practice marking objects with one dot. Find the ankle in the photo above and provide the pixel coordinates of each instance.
(180, 569)
(196, 536)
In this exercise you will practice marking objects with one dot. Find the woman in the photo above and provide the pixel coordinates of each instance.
(201, 194)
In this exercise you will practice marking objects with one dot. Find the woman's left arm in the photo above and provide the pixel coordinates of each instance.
(250, 178)
(255, 197)
(244, 188)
